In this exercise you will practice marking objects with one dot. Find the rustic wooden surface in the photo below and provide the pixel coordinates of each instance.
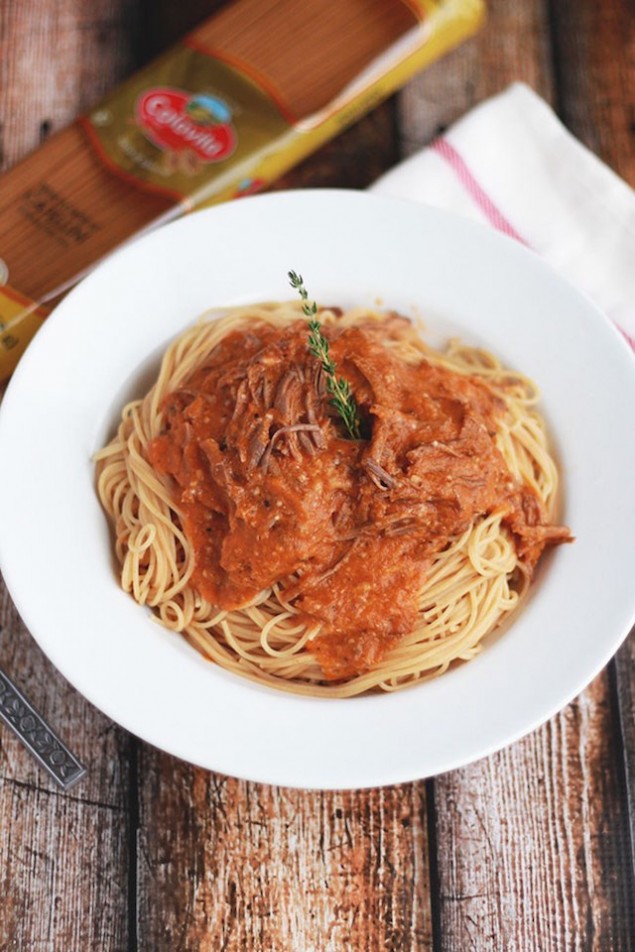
(527, 850)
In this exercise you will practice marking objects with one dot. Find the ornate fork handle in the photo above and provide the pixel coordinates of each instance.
(18, 714)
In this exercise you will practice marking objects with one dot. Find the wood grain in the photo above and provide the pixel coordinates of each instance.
(594, 57)
(625, 694)
(56, 60)
(238, 866)
(514, 46)
(533, 852)
(63, 856)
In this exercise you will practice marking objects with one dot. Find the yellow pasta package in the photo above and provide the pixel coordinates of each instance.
(229, 109)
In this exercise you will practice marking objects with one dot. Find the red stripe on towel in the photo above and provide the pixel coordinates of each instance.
(475, 190)
(480, 198)
(627, 337)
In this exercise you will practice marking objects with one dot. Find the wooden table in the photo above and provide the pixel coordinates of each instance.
(527, 850)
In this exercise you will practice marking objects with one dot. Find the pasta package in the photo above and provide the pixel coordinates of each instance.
(238, 102)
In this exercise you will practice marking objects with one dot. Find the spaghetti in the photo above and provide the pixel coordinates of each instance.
(306, 561)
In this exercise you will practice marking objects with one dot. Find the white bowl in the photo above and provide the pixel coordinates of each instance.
(102, 346)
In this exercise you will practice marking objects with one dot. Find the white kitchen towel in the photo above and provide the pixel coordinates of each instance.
(511, 163)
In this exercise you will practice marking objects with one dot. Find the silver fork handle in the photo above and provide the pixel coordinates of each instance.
(20, 715)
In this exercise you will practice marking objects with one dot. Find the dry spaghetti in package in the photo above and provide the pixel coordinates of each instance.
(239, 101)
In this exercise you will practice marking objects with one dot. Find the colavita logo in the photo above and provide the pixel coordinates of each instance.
(177, 121)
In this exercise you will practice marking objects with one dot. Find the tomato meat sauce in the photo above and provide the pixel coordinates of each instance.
(270, 492)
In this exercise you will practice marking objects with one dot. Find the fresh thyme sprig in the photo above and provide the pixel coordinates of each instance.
(339, 388)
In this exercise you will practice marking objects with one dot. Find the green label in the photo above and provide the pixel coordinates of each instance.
(185, 125)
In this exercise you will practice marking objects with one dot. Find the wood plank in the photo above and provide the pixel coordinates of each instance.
(63, 857)
(594, 52)
(514, 46)
(533, 854)
(169, 22)
(56, 60)
(625, 694)
(239, 866)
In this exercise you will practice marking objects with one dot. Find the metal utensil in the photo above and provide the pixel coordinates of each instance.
(18, 714)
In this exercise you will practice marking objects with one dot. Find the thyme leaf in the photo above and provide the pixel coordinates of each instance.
(339, 389)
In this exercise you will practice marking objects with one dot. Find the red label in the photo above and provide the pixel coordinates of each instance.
(175, 121)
